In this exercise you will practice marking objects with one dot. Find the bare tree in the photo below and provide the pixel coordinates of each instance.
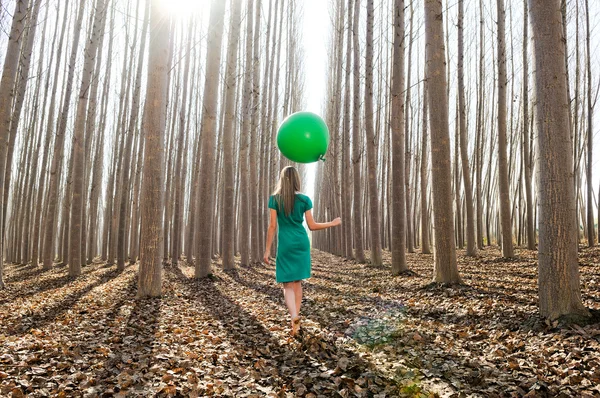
(228, 127)
(9, 73)
(357, 142)
(371, 144)
(471, 244)
(559, 288)
(150, 274)
(77, 204)
(446, 270)
(206, 203)
(398, 240)
(526, 135)
(505, 214)
(52, 204)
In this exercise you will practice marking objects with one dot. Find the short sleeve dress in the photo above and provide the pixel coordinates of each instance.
(293, 247)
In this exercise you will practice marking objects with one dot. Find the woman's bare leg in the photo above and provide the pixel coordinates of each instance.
(298, 295)
(290, 299)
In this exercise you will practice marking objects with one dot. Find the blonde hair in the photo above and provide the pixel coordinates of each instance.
(285, 194)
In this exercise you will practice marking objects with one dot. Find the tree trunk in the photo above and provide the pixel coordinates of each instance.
(507, 243)
(206, 202)
(152, 206)
(559, 287)
(398, 239)
(55, 168)
(357, 142)
(228, 132)
(257, 231)
(471, 244)
(590, 136)
(446, 270)
(376, 259)
(526, 149)
(179, 188)
(425, 249)
(9, 73)
(77, 204)
(35, 258)
(133, 119)
(245, 204)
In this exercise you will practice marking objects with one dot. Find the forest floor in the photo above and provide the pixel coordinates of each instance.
(365, 333)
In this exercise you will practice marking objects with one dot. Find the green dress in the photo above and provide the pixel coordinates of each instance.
(293, 247)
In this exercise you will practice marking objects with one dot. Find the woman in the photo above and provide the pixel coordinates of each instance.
(288, 208)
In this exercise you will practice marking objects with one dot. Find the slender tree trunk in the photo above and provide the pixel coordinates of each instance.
(507, 243)
(471, 244)
(228, 132)
(9, 73)
(526, 149)
(257, 230)
(425, 249)
(479, 132)
(407, 143)
(152, 206)
(52, 205)
(357, 142)
(398, 240)
(206, 203)
(125, 178)
(590, 135)
(245, 203)
(376, 259)
(559, 288)
(179, 187)
(77, 204)
(446, 270)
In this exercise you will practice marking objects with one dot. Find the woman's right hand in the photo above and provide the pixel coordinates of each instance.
(336, 222)
(266, 258)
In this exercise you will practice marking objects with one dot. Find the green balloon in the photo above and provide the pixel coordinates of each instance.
(303, 137)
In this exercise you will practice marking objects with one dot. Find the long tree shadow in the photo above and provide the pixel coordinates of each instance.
(23, 274)
(48, 314)
(248, 335)
(37, 288)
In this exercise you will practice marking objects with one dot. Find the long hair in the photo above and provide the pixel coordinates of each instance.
(285, 194)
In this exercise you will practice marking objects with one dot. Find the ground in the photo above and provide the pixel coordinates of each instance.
(365, 333)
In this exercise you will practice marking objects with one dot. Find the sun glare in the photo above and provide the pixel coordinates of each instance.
(182, 8)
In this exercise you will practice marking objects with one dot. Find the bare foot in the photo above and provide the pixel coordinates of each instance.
(295, 326)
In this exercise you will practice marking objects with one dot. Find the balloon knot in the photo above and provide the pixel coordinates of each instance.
(322, 158)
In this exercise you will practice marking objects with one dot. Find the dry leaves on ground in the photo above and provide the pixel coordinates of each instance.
(365, 333)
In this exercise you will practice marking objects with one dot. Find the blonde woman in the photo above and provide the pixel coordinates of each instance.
(288, 209)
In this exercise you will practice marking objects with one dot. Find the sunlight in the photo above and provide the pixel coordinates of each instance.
(183, 8)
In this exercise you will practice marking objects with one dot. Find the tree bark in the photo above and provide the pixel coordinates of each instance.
(471, 244)
(152, 206)
(9, 73)
(245, 201)
(357, 142)
(228, 132)
(398, 239)
(206, 202)
(51, 212)
(559, 288)
(507, 243)
(376, 259)
(446, 270)
(526, 149)
(591, 234)
(77, 204)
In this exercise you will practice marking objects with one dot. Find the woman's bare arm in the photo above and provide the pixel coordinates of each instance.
(270, 235)
(315, 226)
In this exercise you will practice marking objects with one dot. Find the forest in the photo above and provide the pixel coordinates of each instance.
(138, 152)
